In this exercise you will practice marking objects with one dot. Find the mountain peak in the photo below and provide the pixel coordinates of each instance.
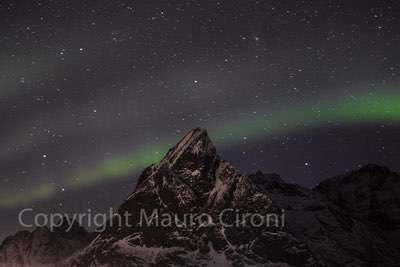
(194, 146)
(352, 218)
(193, 159)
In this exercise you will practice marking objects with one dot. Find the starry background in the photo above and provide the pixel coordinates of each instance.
(91, 92)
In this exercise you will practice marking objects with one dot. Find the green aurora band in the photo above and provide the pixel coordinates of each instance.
(367, 108)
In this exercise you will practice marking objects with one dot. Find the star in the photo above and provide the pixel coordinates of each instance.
(86, 103)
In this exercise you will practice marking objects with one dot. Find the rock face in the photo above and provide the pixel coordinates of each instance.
(42, 247)
(350, 220)
(192, 179)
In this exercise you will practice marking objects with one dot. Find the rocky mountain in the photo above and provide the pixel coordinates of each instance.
(193, 179)
(239, 220)
(43, 247)
(350, 220)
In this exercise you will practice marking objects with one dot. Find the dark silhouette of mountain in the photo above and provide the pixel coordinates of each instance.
(43, 247)
(350, 220)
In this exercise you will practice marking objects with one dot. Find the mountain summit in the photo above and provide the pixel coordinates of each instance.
(194, 147)
(349, 220)
(192, 179)
(194, 159)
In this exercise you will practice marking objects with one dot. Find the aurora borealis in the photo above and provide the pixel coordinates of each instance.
(93, 92)
(376, 109)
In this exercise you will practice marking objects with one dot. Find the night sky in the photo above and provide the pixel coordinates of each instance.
(91, 92)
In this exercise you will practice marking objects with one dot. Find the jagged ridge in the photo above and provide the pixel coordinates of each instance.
(346, 220)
